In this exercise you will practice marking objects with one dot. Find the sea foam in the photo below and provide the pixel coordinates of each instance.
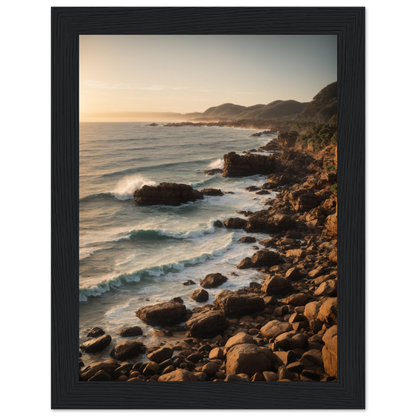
(126, 186)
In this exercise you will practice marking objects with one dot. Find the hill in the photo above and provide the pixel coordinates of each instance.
(319, 110)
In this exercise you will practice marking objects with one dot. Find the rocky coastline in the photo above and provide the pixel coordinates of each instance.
(282, 330)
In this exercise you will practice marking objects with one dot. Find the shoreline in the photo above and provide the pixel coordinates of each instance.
(283, 329)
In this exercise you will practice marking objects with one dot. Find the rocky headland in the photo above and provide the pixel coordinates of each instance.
(284, 329)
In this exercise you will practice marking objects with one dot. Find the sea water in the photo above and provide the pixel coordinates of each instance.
(133, 256)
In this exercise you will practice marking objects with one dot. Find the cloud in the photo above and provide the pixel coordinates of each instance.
(127, 86)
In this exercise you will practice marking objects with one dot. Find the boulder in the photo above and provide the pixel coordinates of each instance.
(240, 338)
(312, 310)
(304, 200)
(328, 311)
(298, 299)
(130, 331)
(245, 263)
(249, 359)
(165, 313)
(329, 355)
(178, 375)
(160, 355)
(96, 344)
(235, 223)
(299, 253)
(109, 366)
(212, 171)
(213, 280)
(328, 288)
(128, 349)
(276, 285)
(275, 328)
(247, 240)
(236, 305)
(333, 256)
(265, 258)
(166, 194)
(269, 221)
(101, 376)
(294, 274)
(291, 340)
(331, 225)
(199, 295)
(206, 323)
(95, 332)
(211, 192)
(247, 165)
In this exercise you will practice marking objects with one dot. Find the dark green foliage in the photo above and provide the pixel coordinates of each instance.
(320, 135)
(330, 168)
(334, 188)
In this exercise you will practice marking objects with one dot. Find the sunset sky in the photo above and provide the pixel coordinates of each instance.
(187, 73)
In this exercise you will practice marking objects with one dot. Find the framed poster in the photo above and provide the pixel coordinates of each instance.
(201, 158)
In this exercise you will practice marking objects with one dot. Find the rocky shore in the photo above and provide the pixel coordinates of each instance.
(282, 330)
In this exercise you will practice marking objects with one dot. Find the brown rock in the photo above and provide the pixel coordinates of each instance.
(96, 344)
(206, 323)
(247, 240)
(266, 258)
(160, 355)
(294, 274)
(298, 299)
(128, 349)
(331, 225)
(240, 338)
(333, 256)
(249, 359)
(101, 376)
(274, 328)
(329, 356)
(178, 375)
(95, 332)
(248, 165)
(328, 311)
(166, 194)
(108, 366)
(276, 285)
(213, 280)
(270, 221)
(291, 340)
(130, 331)
(235, 305)
(235, 223)
(328, 288)
(211, 192)
(199, 295)
(245, 263)
(299, 253)
(165, 313)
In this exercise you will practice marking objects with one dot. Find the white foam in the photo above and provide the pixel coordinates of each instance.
(217, 164)
(126, 186)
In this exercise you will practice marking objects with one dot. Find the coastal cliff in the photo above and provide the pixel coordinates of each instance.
(283, 329)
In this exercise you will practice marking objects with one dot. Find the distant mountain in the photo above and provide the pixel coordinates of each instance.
(319, 110)
(322, 107)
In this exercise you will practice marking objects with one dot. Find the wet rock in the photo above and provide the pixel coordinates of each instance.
(298, 299)
(269, 221)
(101, 376)
(291, 340)
(211, 192)
(213, 280)
(151, 368)
(235, 223)
(165, 313)
(245, 263)
(212, 171)
(95, 332)
(218, 224)
(109, 366)
(206, 323)
(166, 194)
(216, 353)
(294, 274)
(328, 311)
(270, 376)
(189, 282)
(328, 288)
(248, 165)
(247, 240)
(299, 253)
(128, 349)
(199, 295)
(331, 225)
(160, 355)
(266, 258)
(240, 338)
(235, 305)
(130, 331)
(96, 344)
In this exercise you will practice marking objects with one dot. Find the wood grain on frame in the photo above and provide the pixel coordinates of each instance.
(349, 390)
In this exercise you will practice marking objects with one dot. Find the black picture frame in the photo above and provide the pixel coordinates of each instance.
(348, 23)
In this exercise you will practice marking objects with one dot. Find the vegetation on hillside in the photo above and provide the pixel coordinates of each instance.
(320, 135)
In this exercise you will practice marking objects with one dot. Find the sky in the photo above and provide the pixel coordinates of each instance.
(188, 73)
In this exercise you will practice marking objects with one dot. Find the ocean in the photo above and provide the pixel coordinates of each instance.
(132, 256)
